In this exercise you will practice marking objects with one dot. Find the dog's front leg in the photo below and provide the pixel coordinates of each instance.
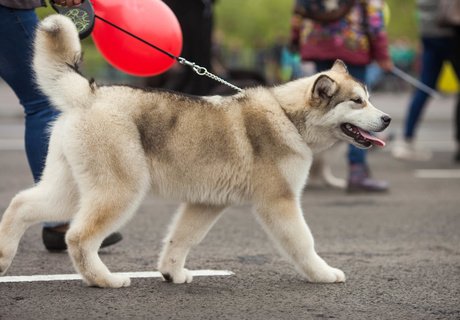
(190, 226)
(12, 227)
(284, 221)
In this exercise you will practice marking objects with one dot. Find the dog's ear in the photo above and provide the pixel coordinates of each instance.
(339, 66)
(324, 87)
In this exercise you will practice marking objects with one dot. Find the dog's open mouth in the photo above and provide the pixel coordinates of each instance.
(361, 136)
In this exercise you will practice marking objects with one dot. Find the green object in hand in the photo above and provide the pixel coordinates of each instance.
(82, 16)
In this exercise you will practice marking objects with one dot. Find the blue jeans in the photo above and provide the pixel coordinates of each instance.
(435, 52)
(355, 154)
(16, 39)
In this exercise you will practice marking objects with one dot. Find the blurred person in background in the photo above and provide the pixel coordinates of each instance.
(353, 31)
(17, 27)
(456, 61)
(196, 19)
(440, 43)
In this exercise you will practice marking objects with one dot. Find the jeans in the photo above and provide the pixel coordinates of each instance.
(17, 29)
(16, 39)
(355, 154)
(435, 52)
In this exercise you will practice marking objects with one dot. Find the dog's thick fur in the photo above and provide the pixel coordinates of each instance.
(111, 144)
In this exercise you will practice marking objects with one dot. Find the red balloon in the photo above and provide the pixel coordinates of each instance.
(150, 20)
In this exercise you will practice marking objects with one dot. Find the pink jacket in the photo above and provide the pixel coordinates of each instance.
(346, 39)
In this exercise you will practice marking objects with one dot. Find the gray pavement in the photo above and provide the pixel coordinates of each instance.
(400, 251)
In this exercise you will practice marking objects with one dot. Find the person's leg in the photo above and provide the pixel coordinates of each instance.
(457, 128)
(455, 59)
(356, 155)
(16, 38)
(196, 20)
(435, 51)
(433, 56)
(17, 29)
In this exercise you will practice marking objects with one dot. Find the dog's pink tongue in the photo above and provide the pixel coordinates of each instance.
(375, 141)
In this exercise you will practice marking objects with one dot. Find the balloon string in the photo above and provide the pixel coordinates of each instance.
(201, 71)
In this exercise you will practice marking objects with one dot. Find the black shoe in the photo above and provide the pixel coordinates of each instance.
(55, 240)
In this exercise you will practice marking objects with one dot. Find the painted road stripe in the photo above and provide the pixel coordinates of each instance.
(438, 174)
(145, 274)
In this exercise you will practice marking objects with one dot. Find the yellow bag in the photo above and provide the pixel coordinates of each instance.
(448, 81)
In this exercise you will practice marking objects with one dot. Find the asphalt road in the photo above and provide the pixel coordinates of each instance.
(400, 251)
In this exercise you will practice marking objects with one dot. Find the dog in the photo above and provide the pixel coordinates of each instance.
(111, 144)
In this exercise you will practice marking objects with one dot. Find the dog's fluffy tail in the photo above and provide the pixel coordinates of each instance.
(57, 53)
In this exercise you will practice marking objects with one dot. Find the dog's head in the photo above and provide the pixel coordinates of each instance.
(339, 104)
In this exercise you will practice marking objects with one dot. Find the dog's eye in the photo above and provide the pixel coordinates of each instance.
(357, 100)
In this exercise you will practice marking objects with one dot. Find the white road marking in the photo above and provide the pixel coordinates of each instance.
(438, 174)
(144, 274)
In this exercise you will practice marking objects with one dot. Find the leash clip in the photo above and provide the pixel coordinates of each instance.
(198, 69)
(202, 71)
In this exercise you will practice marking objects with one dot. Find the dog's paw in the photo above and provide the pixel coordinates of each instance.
(4, 265)
(327, 274)
(181, 276)
(340, 275)
(319, 271)
(111, 281)
(5, 261)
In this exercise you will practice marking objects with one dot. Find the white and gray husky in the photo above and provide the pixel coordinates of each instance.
(111, 144)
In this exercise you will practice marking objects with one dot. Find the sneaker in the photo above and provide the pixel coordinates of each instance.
(360, 181)
(406, 151)
(54, 239)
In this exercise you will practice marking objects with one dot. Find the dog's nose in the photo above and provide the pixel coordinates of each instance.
(386, 120)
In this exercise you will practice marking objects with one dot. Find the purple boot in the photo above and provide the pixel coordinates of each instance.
(360, 181)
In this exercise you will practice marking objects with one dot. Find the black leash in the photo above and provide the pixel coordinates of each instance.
(83, 17)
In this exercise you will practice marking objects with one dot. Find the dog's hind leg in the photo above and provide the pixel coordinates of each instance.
(190, 226)
(54, 198)
(284, 221)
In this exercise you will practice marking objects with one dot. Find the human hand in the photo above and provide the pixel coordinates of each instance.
(68, 3)
(386, 65)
